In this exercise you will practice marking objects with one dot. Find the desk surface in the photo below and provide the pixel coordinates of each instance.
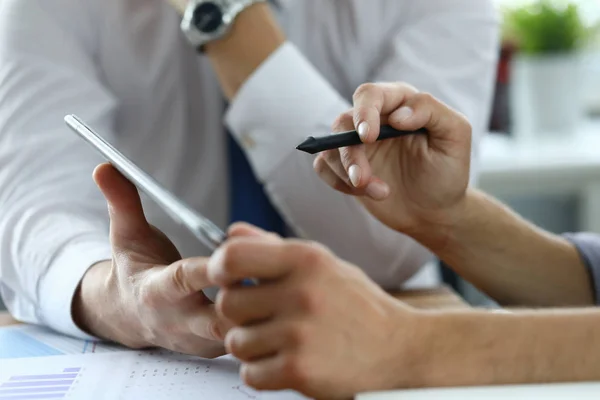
(540, 164)
(439, 298)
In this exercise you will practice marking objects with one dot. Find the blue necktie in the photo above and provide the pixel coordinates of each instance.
(248, 200)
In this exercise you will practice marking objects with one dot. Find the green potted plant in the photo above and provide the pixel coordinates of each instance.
(546, 88)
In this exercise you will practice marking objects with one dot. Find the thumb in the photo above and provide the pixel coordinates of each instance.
(124, 205)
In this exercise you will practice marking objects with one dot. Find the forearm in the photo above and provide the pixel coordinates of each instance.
(482, 348)
(510, 259)
(254, 36)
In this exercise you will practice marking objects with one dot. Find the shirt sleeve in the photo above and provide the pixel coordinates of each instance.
(588, 246)
(53, 224)
(448, 51)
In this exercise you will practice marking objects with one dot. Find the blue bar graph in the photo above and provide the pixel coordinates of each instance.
(35, 390)
(34, 396)
(37, 383)
(54, 376)
(71, 369)
(41, 386)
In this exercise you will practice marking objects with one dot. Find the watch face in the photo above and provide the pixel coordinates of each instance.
(208, 17)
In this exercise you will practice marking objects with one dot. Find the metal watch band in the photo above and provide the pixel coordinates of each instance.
(230, 8)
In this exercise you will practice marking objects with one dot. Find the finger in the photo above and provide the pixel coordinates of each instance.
(350, 163)
(376, 188)
(264, 340)
(372, 100)
(334, 161)
(246, 305)
(326, 173)
(280, 372)
(445, 126)
(355, 162)
(257, 258)
(178, 281)
(206, 323)
(245, 229)
(125, 207)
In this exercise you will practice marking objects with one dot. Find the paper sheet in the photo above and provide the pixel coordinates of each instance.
(34, 341)
(126, 375)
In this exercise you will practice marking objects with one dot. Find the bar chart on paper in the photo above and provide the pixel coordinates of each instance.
(127, 375)
(44, 386)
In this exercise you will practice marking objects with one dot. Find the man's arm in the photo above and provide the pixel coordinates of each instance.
(483, 348)
(279, 98)
(509, 258)
(399, 347)
(53, 224)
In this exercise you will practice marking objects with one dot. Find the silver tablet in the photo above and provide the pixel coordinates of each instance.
(207, 232)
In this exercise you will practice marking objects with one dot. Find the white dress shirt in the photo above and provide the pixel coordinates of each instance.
(124, 67)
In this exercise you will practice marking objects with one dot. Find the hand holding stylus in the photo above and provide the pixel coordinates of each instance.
(410, 180)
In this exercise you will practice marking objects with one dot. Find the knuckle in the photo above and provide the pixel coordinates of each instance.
(308, 300)
(297, 334)
(309, 254)
(342, 122)
(294, 373)
(224, 304)
(346, 157)
(426, 98)
(365, 89)
(233, 342)
(251, 379)
(178, 277)
(366, 112)
(230, 255)
(213, 328)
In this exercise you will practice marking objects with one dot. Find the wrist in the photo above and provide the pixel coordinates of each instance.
(252, 38)
(441, 342)
(438, 231)
(407, 351)
(97, 308)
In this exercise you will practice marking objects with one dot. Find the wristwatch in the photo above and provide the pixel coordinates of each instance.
(208, 20)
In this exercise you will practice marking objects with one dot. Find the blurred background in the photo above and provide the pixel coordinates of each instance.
(542, 156)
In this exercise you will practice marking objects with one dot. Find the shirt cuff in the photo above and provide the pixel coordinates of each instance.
(588, 247)
(58, 286)
(282, 103)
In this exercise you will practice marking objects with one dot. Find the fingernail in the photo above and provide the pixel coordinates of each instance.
(212, 266)
(378, 190)
(402, 114)
(363, 130)
(354, 173)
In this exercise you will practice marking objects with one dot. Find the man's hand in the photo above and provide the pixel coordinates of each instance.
(410, 183)
(314, 324)
(147, 296)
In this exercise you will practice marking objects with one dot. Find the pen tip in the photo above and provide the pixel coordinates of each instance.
(307, 146)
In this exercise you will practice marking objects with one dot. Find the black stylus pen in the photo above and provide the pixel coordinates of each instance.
(314, 145)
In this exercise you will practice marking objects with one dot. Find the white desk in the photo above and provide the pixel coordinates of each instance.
(569, 165)
(579, 391)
